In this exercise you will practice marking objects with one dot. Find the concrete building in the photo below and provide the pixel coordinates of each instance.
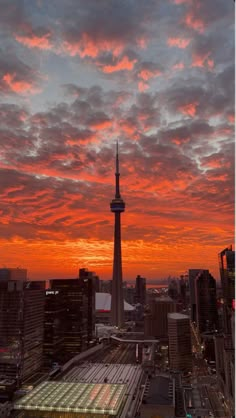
(156, 321)
(21, 324)
(117, 207)
(180, 347)
(206, 304)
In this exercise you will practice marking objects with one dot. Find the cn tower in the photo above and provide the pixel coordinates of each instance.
(117, 301)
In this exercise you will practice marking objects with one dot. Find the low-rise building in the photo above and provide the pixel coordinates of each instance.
(159, 398)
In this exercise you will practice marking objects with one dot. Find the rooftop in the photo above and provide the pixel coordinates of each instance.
(97, 372)
(94, 398)
(176, 315)
(161, 391)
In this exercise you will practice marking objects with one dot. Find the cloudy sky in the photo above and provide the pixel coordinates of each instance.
(75, 75)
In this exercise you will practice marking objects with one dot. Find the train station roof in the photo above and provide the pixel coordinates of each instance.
(94, 398)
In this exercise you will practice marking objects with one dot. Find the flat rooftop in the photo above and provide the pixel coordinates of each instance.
(128, 374)
(161, 391)
(94, 398)
(176, 315)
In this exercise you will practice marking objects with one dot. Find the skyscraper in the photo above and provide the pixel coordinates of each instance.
(227, 274)
(206, 308)
(156, 320)
(192, 274)
(21, 324)
(117, 206)
(78, 298)
(54, 315)
(180, 347)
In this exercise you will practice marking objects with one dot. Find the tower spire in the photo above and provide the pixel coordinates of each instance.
(117, 174)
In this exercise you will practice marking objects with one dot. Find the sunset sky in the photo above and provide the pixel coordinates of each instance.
(75, 75)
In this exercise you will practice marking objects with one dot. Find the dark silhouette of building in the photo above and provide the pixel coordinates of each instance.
(206, 305)
(155, 320)
(105, 286)
(183, 291)
(173, 289)
(227, 274)
(180, 346)
(224, 343)
(21, 324)
(140, 290)
(91, 284)
(85, 273)
(78, 298)
(55, 311)
(129, 293)
(117, 302)
(192, 274)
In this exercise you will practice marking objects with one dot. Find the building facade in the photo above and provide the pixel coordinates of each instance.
(206, 304)
(227, 275)
(156, 318)
(78, 299)
(180, 346)
(192, 274)
(55, 311)
(21, 324)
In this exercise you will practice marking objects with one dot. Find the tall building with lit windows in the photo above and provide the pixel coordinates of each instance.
(77, 298)
(21, 324)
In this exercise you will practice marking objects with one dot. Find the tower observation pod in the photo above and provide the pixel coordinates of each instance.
(117, 206)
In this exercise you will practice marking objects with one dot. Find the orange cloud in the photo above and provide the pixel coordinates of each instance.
(194, 22)
(18, 86)
(128, 127)
(34, 41)
(101, 124)
(178, 66)
(210, 63)
(179, 141)
(189, 109)
(203, 60)
(146, 74)
(142, 86)
(178, 42)
(123, 64)
(88, 47)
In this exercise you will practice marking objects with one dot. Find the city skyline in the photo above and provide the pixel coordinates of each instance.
(74, 77)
